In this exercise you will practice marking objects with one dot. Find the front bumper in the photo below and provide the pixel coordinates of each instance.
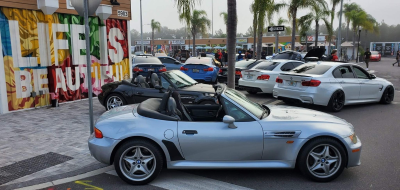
(353, 152)
(101, 149)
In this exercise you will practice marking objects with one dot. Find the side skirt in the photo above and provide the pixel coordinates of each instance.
(256, 164)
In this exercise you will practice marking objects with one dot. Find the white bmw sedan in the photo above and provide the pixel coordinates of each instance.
(332, 84)
(261, 78)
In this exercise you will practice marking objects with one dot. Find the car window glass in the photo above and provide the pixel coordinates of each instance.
(296, 64)
(310, 68)
(143, 59)
(238, 97)
(267, 65)
(287, 67)
(165, 84)
(346, 72)
(360, 74)
(237, 113)
(336, 73)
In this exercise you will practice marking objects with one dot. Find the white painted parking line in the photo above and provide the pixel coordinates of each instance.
(177, 180)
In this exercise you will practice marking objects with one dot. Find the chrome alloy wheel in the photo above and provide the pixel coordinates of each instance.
(137, 163)
(114, 101)
(324, 160)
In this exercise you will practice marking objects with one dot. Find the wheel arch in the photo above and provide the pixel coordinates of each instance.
(114, 151)
(339, 140)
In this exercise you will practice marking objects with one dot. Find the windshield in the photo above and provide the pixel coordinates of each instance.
(244, 63)
(268, 66)
(310, 68)
(142, 59)
(179, 79)
(254, 108)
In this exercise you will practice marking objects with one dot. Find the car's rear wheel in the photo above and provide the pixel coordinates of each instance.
(251, 92)
(336, 103)
(138, 162)
(114, 100)
(322, 159)
(388, 95)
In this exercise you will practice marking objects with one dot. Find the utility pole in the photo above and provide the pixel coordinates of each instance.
(212, 18)
(141, 26)
(358, 48)
(88, 63)
(339, 41)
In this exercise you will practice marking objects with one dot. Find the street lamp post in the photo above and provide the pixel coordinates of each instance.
(358, 47)
(141, 26)
(339, 42)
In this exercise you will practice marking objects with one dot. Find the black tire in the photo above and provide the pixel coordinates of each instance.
(306, 162)
(251, 92)
(116, 96)
(388, 95)
(120, 167)
(336, 103)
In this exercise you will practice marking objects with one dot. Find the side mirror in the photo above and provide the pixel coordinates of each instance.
(373, 76)
(229, 120)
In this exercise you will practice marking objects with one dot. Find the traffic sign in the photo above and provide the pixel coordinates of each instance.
(276, 28)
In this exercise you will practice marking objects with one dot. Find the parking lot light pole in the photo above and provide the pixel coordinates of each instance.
(339, 41)
(358, 47)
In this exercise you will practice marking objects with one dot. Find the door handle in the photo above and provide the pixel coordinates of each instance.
(342, 82)
(189, 132)
(139, 93)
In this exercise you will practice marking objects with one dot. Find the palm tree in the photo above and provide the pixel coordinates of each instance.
(198, 23)
(263, 7)
(224, 16)
(358, 18)
(155, 25)
(254, 9)
(271, 10)
(373, 27)
(347, 8)
(318, 13)
(294, 6)
(288, 30)
(334, 3)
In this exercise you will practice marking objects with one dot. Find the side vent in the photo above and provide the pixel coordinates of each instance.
(281, 134)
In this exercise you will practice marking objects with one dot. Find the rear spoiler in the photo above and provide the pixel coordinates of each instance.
(294, 74)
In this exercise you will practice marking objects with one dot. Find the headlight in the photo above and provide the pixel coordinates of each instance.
(353, 138)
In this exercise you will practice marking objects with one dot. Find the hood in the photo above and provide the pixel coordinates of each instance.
(200, 87)
(289, 113)
(317, 52)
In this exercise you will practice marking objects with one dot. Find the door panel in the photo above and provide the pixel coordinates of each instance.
(142, 94)
(214, 141)
(350, 84)
(370, 88)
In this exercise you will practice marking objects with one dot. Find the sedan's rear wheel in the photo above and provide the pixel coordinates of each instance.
(138, 162)
(322, 159)
(336, 103)
(114, 100)
(388, 95)
(251, 92)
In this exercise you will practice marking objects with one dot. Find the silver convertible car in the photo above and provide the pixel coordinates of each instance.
(140, 140)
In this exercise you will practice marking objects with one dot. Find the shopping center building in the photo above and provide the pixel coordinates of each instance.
(43, 52)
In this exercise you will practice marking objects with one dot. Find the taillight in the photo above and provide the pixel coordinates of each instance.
(263, 77)
(312, 83)
(137, 69)
(163, 69)
(184, 69)
(238, 73)
(97, 133)
(208, 69)
(278, 80)
(220, 71)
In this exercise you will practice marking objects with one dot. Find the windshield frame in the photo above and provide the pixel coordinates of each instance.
(189, 79)
(254, 116)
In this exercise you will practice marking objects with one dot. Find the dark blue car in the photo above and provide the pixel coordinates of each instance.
(146, 64)
(201, 69)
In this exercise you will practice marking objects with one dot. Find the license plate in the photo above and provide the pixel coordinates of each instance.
(292, 83)
(249, 76)
(196, 70)
(151, 69)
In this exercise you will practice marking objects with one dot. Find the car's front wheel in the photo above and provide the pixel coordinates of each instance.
(322, 159)
(114, 100)
(388, 95)
(138, 162)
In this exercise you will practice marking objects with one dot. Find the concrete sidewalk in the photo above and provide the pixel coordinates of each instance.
(46, 144)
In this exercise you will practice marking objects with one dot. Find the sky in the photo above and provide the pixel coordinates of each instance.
(165, 12)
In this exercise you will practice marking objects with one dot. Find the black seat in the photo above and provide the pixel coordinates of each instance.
(134, 80)
(142, 82)
(181, 107)
(155, 80)
(149, 107)
(172, 109)
(164, 102)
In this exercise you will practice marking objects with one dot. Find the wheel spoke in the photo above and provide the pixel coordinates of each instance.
(325, 167)
(326, 152)
(147, 159)
(144, 169)
(316, 167)
(138, 153)
(133, 170)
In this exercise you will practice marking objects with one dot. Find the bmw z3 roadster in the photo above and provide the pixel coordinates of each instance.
(142, 139)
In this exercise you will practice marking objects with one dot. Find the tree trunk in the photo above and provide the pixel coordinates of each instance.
(316, 33)
(152, 41)
(232, 29)
(194, 45)
(354, 44)
(259, 41)
(347, 30)
(330, 36)
(277, 42)
(254, 35)
(294, 16)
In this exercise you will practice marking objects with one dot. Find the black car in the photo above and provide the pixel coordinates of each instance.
(239, 66)
(147, 64)
(138, 89)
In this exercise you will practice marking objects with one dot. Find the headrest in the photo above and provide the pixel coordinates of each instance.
(140, 79)
(164, 102)
(154, 79)
(171, 106)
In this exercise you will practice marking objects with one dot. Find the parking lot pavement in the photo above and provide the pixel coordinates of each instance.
(29, 138)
